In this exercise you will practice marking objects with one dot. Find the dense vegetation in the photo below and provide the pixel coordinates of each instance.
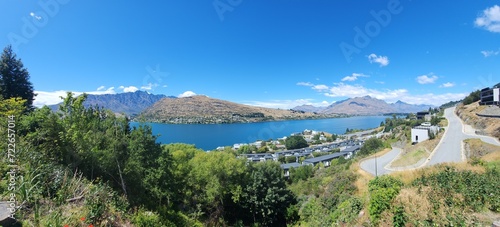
(472, 97)
(295, 142)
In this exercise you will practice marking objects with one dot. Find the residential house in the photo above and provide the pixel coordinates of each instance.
(490, 96)
(421, 133)
(351, 151)
(424, 115)
(258, 157)
(325, 159)
(286, 167)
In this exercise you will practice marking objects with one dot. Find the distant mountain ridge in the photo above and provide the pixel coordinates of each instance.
(205, 110)
(129, 103)
(366, 105)
(309, 108)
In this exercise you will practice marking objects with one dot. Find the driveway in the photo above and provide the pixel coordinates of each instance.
(449, 149)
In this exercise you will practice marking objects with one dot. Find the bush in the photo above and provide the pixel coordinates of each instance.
(382, 191)
(301, 173)
(347, 211)
(371, 146)
(143, 218)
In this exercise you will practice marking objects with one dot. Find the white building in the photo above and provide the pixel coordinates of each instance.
(421, 133)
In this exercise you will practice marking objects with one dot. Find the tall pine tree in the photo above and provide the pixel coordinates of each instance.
(14, 78)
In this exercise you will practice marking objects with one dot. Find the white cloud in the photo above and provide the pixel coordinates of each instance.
(186, 94)
(489, 19)
(320, 87)
(307, 84)
(447, 85)
(352, 91)
(382, 60)
(129, 88)
(101, 88)
(149, 87)
(32, 14)
(427, 79)
(54, 97)
(433, 99)
(489, 53)
(342, 90)
(353, 77)
(286, 104)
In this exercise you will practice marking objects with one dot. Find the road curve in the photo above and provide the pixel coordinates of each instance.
(448, 150)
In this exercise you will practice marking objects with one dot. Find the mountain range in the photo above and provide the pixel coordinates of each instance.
(129, 103)
(364, 106)
(206, 110)
(203, 109)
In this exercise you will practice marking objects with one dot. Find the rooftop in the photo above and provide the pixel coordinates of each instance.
(325, 157)
(290, 165)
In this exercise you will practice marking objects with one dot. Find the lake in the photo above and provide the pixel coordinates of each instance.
(211, 136)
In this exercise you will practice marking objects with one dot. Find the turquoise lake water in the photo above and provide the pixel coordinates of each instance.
(209, 137)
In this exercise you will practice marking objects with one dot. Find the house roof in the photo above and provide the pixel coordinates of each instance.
(325, 157)
(352, 149)
(290, 165)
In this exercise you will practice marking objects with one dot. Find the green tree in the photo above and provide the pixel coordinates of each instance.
(370, 146)
(14, 78)
(435, 120)
(472, 97)
(295, 142)
(301, 173)
(215, 185)
(266, 196)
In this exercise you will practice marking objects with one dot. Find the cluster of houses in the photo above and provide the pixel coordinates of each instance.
(490, 96)
(347, 150)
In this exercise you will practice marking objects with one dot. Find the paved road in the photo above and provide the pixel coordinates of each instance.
(369, 164)
(450, 147)
(448, 150)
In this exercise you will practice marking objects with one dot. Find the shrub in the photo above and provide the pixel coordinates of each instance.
(382, 191)
(347, 211)
(144, 218)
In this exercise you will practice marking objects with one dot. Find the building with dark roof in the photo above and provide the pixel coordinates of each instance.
(325, 159)
(490, 96)
(286, 167)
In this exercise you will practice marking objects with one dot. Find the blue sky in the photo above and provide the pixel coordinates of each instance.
(269, 53)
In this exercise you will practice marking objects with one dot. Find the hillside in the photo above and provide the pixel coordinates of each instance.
(309, 108)
(204, 110)
(484, 125)
(403, 107)
(359, 106)
(129, 103)
(364, 106)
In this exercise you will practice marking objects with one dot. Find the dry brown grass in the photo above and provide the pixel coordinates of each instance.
(362, 186)
(476, 148)
(489, 126)
(410, 158)
(495, 156)
(412, 154)
(409, 176)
